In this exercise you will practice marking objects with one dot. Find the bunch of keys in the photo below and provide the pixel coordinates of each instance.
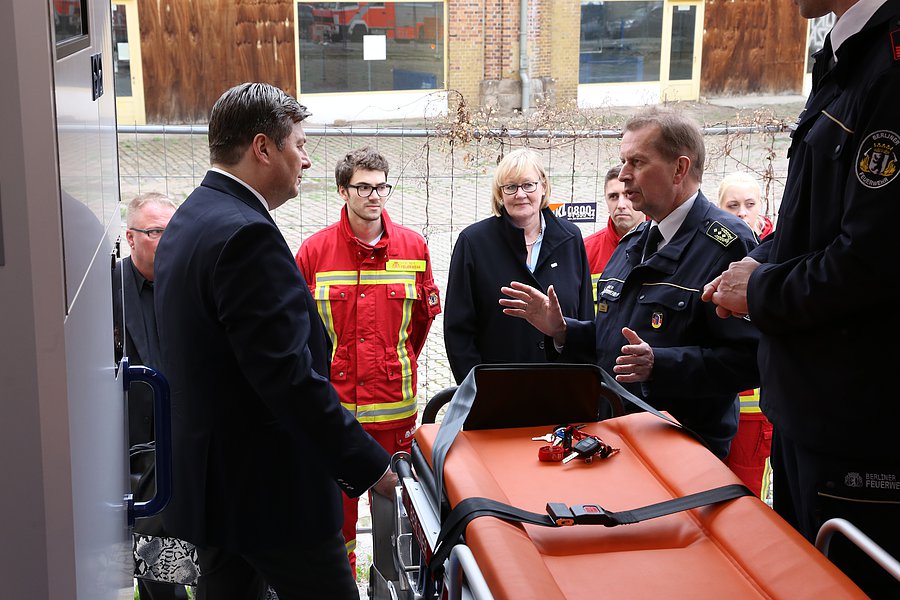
(561, 442)
(588, 447)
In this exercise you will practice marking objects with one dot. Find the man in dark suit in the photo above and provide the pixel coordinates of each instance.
(262, 446)
(134, 322)
(133, 317)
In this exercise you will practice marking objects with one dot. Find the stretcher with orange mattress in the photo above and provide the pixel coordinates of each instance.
(734, 549)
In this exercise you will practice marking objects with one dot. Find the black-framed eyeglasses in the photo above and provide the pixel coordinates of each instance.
(365, 190)
(511, 188)
(153, 234)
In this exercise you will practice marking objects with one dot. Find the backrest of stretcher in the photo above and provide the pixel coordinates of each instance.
(521, 395)
(740, 549)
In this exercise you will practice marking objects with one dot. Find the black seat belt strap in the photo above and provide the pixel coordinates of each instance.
(560, 515)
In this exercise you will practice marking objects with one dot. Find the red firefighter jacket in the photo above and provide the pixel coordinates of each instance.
(377, 303)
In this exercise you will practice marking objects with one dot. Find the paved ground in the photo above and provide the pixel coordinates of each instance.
(441, 187)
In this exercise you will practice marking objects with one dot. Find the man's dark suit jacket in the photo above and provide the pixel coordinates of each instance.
(261, 442)
(132, 341)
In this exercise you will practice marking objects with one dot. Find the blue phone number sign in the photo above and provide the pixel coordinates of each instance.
(578, 212)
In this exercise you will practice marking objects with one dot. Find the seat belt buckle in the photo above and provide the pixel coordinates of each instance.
(592, 514)
(560, 514)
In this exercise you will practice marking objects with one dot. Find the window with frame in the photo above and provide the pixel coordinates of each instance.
(370, 46)
(621, 41)
(70, 26)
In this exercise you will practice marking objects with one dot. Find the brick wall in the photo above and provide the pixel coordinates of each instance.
(565, 23)
(484, 43)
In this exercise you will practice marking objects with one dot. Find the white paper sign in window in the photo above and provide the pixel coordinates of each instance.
(374, 47)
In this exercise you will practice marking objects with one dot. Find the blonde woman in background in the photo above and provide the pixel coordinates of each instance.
(739, 194)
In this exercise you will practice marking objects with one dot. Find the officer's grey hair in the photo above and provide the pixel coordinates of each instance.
(679, 135)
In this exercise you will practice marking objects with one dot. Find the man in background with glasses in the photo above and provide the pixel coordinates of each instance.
(134, 330)
(134, 321)
(374, 290)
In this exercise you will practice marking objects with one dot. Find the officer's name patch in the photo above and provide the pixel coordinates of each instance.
(720, 233)
(405, 265)
(876, 164)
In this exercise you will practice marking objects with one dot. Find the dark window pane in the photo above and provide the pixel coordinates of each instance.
(681, 57)
(620, 41)
(69, 18)
(332, 59)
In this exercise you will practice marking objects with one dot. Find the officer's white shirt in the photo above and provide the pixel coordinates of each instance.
(670, 225)
(852, 22)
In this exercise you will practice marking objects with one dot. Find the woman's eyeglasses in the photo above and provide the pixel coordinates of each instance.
(511, 188)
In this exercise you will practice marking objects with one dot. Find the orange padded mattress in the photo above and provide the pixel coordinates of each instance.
(735, 550)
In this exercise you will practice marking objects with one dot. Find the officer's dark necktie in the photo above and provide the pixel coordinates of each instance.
(653, 240)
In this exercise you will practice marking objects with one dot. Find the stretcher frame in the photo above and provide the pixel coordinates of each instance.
(402, 572)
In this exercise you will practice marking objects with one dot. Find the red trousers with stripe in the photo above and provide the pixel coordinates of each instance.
(392, 440)
(749, 450)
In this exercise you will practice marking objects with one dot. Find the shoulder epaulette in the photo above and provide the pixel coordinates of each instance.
(720, 233)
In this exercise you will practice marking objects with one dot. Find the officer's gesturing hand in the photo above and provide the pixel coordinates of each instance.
(636, 362)
(539, 309)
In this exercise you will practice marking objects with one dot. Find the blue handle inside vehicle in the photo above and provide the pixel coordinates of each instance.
(162, 425)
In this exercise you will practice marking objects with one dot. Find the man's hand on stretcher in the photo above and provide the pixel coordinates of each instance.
(385, 486)
(539, 309)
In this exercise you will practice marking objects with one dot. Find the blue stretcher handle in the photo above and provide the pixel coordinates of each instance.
(162, 426)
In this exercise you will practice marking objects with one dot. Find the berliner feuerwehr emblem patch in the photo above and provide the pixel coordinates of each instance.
(876, 164)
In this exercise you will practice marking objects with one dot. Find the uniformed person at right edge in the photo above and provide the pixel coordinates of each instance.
(823, 291)
(677, 355)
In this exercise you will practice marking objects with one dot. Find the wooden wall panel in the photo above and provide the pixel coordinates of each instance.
(752, 46)
(193, 50)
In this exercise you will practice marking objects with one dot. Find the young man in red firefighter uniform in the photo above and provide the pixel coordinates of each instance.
(374, 290)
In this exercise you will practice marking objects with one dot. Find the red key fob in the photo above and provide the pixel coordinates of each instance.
(551, 453)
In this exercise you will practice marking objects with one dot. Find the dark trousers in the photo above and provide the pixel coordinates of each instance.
(811, 487)
(306, 570)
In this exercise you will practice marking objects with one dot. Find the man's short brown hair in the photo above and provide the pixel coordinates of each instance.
(364, 158)
(246, 110)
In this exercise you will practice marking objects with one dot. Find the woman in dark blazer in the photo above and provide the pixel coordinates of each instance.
(523, 241)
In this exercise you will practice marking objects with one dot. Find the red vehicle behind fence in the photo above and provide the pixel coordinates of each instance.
(403, 22)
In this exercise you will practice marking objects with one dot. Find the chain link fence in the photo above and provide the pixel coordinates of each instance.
(442, 177)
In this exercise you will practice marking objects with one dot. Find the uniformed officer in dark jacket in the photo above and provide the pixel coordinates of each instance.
(676, 355)
(822, 290)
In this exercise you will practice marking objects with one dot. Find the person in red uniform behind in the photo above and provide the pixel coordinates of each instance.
(739, 194)
(374, 290)
(623, 217)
